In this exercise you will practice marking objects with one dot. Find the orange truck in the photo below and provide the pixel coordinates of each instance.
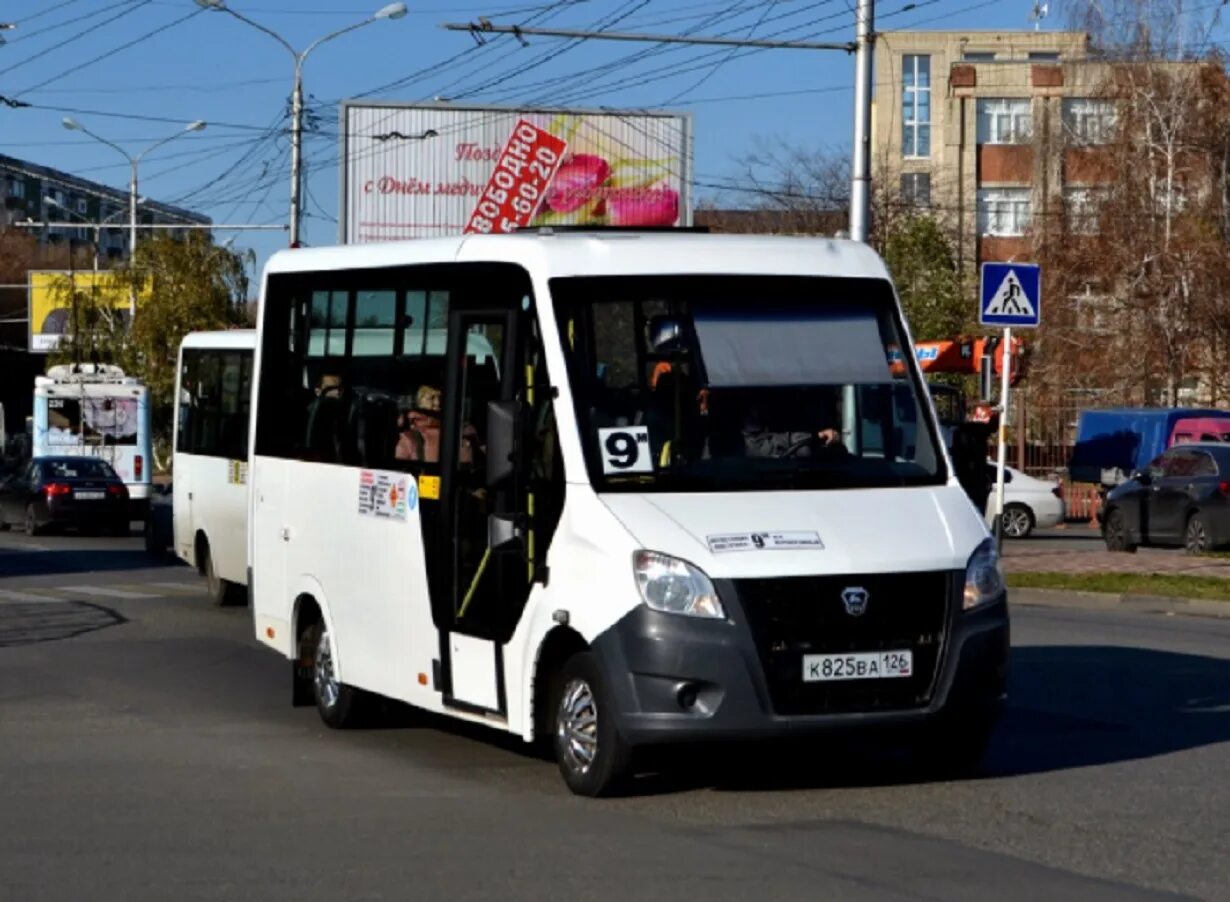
(963, 356)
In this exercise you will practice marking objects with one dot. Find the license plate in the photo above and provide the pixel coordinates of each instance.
(868, 665)
(89, 496)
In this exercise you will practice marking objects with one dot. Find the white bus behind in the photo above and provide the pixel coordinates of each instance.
(213, 394)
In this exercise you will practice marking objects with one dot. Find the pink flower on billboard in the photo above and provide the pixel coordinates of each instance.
(652, 206)
(577, 181)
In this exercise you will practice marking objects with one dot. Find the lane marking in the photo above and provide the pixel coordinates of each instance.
(25, 597)
(182, 588)
(103, 592)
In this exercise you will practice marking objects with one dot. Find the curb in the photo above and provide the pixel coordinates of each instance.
(1145, 604)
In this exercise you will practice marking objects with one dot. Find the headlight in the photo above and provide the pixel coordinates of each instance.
(984, 581)
(674, 586)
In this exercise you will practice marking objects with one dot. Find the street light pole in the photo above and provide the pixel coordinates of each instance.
(860, 182)
(133, 161)
(392, 11)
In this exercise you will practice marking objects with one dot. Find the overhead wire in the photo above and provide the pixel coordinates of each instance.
(114, 50)
(658, 50)
(132, 7)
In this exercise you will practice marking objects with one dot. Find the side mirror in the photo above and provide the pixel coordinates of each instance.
(502, 442)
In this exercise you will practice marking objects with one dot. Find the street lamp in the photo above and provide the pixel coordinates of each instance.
(392, 11)
(73, 125)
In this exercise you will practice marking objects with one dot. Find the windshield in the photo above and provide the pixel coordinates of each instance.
(92, 421)
(77, 468)
(732, 383)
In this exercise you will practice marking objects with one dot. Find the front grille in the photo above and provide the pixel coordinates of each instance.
(793, 616)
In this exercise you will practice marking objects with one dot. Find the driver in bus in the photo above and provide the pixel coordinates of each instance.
(760, 442)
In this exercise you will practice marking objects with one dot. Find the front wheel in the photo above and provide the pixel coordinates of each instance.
(1018, 521)
(1115, 533)
(222, 592)
(1196, 536)
(594, 759)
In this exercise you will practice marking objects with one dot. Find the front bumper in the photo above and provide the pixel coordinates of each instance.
(679, 679)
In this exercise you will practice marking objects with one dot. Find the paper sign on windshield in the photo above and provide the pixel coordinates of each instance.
(764, 541)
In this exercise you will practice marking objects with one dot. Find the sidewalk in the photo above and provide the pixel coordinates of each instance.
(1036, 557)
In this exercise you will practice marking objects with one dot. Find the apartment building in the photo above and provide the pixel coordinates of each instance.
(993, 132)
(30, 192)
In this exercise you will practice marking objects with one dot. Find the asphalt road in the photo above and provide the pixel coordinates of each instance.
(148, 751)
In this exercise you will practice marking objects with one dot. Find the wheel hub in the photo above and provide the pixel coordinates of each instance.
(326, 685)
(577, 726)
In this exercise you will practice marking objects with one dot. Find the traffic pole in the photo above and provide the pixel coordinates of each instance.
(1003, 446)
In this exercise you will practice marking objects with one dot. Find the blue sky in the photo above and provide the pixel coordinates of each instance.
(110, 62)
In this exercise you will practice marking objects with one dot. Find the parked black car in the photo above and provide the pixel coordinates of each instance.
(64, 491)
(1182, 499)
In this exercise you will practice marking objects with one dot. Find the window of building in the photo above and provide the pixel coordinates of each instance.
(15, 187)
(1005, 120)
(1088, 121)
(1003, 212)
(82, 205)
(977, 56)
(1095, 312)
(916, 116)
(916, 189)
(1082, 207)
(1044, 56)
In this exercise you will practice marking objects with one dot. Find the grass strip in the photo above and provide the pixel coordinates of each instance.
(1168, 585)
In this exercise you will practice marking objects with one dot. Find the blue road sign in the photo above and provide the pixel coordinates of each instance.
(1011, 295)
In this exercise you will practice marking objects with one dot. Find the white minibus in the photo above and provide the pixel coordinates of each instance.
(209, 494)
(652, 488)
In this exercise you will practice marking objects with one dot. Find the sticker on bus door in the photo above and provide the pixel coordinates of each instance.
(387, 496)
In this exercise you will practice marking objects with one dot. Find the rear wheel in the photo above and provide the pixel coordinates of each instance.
(337, 703)
(593, 758)
(1115, 533)
(1196, 536)
(31, 522)
(1018, 521)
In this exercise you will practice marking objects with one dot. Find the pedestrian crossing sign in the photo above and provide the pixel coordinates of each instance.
(1011, 295)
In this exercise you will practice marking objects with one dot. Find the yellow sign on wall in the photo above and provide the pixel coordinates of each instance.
(51, 301)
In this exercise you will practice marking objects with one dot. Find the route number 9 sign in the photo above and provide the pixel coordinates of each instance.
(625, 449)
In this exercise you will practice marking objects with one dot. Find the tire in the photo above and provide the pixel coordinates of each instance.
(338, 704)
(954, 745)
(593, 758)
(1018, 521)
(31, 521)
(1196, 535)
(222, 593)
(151, 541)
(1115, 533)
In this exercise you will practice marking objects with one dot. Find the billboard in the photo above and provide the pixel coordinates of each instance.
(430, 170)
(51, 295)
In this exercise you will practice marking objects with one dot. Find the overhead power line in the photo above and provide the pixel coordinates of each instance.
(517, 30)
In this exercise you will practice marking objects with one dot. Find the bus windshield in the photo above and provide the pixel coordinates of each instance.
(733, 383)
(92, 421)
